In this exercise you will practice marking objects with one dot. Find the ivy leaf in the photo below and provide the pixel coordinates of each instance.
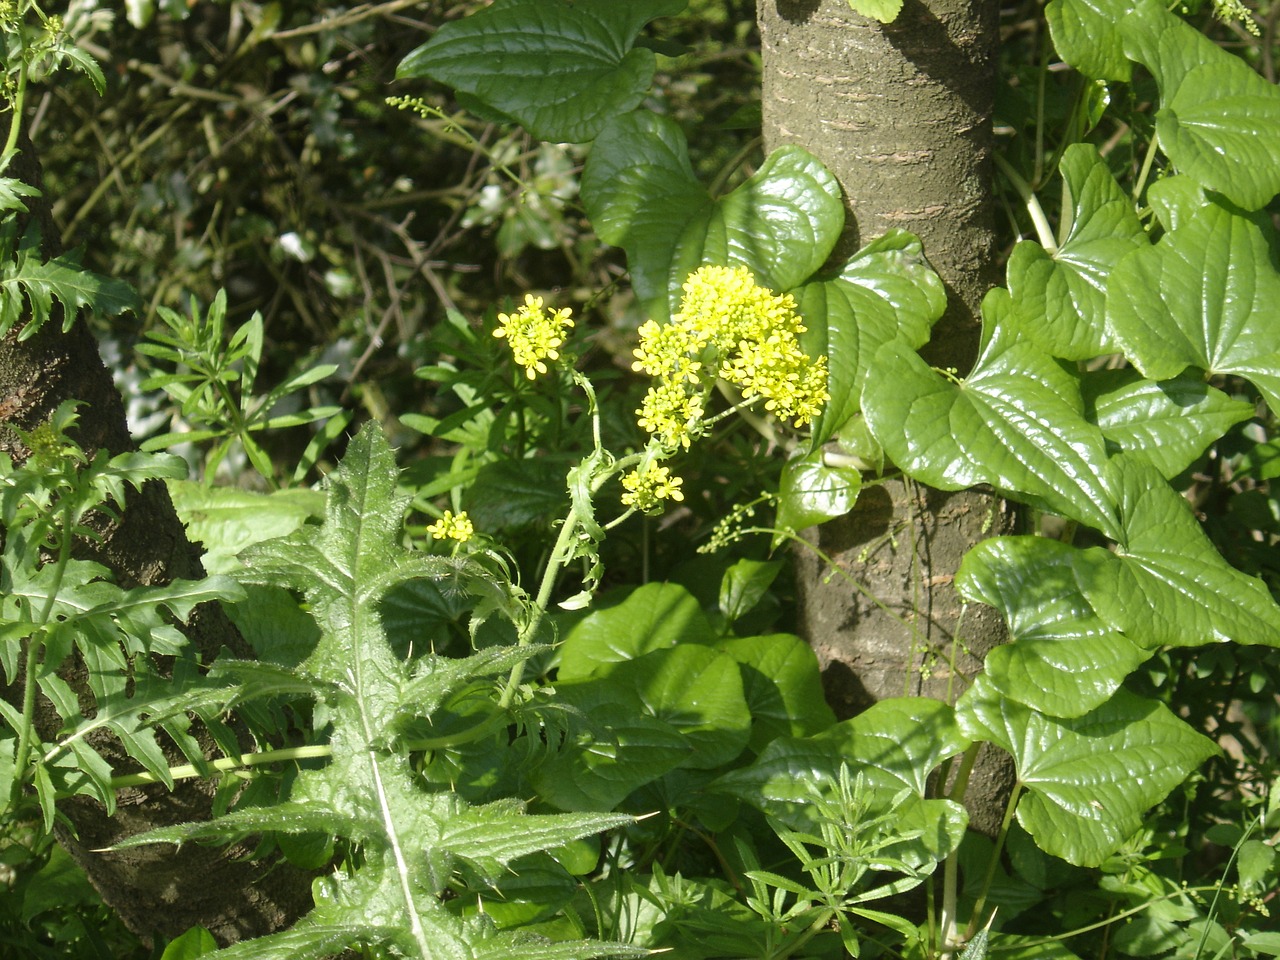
(562, 69)
(1062, 659)
(1088, 780)
(640, 191)
(782, 224)
(810, 492)
(1062, 294)
(1169, 422)
(1201, 297)
(1016, 422)
(886, 291)
(1189, 594)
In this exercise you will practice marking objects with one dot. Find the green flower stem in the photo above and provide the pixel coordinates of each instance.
(19, 96)
(1044, 232)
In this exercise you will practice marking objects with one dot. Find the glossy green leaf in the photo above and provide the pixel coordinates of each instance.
(782, 224)
(886, 291)
(652, 617)
(1086, 35)
(1090, 779)
(782, 684)
(1219, 120)
(1062, 659)
(1062, 294)
(1169, 423)
(698, 691)
(1016, 422)
(1202, 297)
(640, 191)
(1165, 584)
(810, 492)
(561, 69)
(744, 585)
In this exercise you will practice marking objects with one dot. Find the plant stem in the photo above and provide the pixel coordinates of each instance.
(1044, 232)
(226, 765)
(35, 655)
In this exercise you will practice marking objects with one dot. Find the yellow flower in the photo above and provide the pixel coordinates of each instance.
(534, 333)
(450, 527)
(647, 490)
(730, 327)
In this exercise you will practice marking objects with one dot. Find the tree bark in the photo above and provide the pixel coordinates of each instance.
(901, 115)
(157, 890)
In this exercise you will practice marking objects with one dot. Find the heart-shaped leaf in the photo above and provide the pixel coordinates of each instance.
(1085, 34)
(1168, 422)
(1202, 297)
(886, 291)
(560, 69)
(782, 224)
(1166, 585)
(1016, 422)
(1062, 659)
(654, 616)
(783, 686)
(640, 191)
(810, 492)
(1063, 294)
(1088, 780)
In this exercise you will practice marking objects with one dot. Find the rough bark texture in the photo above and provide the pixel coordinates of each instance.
(901, 114)
(159, 889)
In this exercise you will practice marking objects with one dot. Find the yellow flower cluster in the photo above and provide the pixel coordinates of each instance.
(450, 527)
(534, 333)
(646, 490)
(728, 327)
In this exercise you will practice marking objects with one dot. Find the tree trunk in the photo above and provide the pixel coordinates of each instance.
(901, 114)
(159, 889)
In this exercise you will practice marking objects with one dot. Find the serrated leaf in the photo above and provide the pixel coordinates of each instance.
(1169, 423)
(561, 69)
(1189, 594)
(1201, 298)
(886, 291)
(1016, 422)
(652, 617)
(1090, 779)
(1062, 659)
(27, 279)
(1062, 294)
(810, 492)
(483, 835)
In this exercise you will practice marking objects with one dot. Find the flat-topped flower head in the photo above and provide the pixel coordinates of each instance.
(451, 527)
(535, 334)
